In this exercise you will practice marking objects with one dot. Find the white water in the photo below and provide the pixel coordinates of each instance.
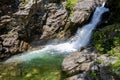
(80, 40)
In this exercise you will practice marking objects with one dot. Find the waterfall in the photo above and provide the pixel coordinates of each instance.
(80, 40)
(103, 3)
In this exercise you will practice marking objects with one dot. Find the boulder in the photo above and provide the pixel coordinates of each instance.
(83, 9)
(88, 65)
(77, 61)
(11, 45)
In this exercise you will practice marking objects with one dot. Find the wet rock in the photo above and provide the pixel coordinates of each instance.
(83, 10)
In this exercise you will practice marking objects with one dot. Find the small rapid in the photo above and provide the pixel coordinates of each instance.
(81, 39)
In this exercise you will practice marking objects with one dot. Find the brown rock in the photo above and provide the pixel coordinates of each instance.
(9, 40)
(55, 22)
(79, 61)
(11, 45)
(23, 46)
(4, 20)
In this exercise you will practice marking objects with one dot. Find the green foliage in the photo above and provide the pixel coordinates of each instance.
(116, 65)
(115, 52)
(70, 4)
(98, 61)
(93, 74)
(115, 68)
(107, 38)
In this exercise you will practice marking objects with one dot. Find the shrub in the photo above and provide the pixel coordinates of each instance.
(107, 38)
(70, 4)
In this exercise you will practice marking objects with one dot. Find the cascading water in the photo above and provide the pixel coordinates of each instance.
(80, 40)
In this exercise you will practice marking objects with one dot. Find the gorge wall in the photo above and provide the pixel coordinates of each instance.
(22, 22)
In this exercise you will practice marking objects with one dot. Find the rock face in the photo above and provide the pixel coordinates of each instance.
(23, 21)
(55, 21)
(10, 45)
(83, 10)
(47, 19)
(87, 65)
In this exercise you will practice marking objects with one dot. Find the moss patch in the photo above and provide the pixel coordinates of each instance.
(70, 6)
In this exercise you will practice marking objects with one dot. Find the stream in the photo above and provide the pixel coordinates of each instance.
(45, 64)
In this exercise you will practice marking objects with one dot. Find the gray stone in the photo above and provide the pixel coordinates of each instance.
(77, 62)
(81, 76)
(83, 10)
(88, 62)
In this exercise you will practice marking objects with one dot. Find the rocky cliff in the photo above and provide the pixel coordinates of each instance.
(22, 22)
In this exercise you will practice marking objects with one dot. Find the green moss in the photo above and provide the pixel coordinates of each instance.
(107, 38)
(93, 74)
(115, 52)
(116, 65)
(115, 70)
(98, 61)
(70, 6)
(25, 2)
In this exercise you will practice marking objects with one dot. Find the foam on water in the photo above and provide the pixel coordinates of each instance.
(80, 40)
